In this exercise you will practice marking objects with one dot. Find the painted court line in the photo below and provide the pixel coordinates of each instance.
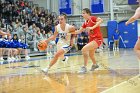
(119, 84)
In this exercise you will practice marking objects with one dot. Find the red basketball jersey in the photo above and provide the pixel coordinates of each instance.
(96, 33)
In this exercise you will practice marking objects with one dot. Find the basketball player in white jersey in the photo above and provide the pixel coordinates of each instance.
(132, 19)
(63, 30)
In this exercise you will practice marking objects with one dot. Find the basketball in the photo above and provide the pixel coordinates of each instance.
(42, 45)
(72, 29)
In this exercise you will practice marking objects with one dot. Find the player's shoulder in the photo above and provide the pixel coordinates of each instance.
(138, 9)
(93, 17)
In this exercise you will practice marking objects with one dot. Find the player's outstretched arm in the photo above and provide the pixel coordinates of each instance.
(77, 31)
(98, 22)
(134, 17)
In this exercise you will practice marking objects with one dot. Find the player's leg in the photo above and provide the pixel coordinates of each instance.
(58, 54)
(92, 57)
(137, 48)
(85, 50)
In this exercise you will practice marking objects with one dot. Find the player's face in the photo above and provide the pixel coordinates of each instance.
(85, 15)
(61, 19)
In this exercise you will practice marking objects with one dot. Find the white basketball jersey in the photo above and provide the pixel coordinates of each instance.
(64, 36)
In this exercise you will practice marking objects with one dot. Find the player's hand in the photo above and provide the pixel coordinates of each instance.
(90, 29)
(126, 23)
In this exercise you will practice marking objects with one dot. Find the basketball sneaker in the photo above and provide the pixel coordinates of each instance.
(27, 58)
(1, 59)
(83, 70)
(65, 59)
(1, 62)
(94, 67)
(45, 70)
(9, 59)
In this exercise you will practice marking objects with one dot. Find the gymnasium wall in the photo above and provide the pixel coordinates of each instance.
(129, 34)
(78, 5)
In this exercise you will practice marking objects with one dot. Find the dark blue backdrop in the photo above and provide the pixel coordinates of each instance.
(65, 6)
(132, 2)
(97, 6)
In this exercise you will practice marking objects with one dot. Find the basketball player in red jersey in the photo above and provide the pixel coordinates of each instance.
(92, 25)
(132, 19)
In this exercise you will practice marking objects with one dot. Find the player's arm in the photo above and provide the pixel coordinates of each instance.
(132, 19)
(78, 31)
(98, 22)
(53, 36)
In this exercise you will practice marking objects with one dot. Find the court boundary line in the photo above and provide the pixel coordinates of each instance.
(119, 84)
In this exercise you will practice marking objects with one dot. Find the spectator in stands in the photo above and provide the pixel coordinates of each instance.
(48, 27)
(24, 41)
(23, 13)
(80, 43)
(45, 36)
(13, 51)
(39, 35)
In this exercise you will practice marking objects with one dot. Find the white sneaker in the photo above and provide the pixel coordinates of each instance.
(1, 59)
(17, 59)
(45, 70)
(93, 67)
(9, 59)
(27, 58)
(1, 62)
(65, 59)
(13, 59)
(83, 70)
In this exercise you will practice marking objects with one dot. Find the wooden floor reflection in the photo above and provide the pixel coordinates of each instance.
(115, 75)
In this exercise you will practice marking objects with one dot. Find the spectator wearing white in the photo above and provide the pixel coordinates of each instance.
(39, 36)
(24, 40)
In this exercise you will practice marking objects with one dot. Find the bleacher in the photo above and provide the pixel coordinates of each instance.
(15, 16)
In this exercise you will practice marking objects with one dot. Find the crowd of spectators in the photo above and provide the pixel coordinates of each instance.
(30, 24)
